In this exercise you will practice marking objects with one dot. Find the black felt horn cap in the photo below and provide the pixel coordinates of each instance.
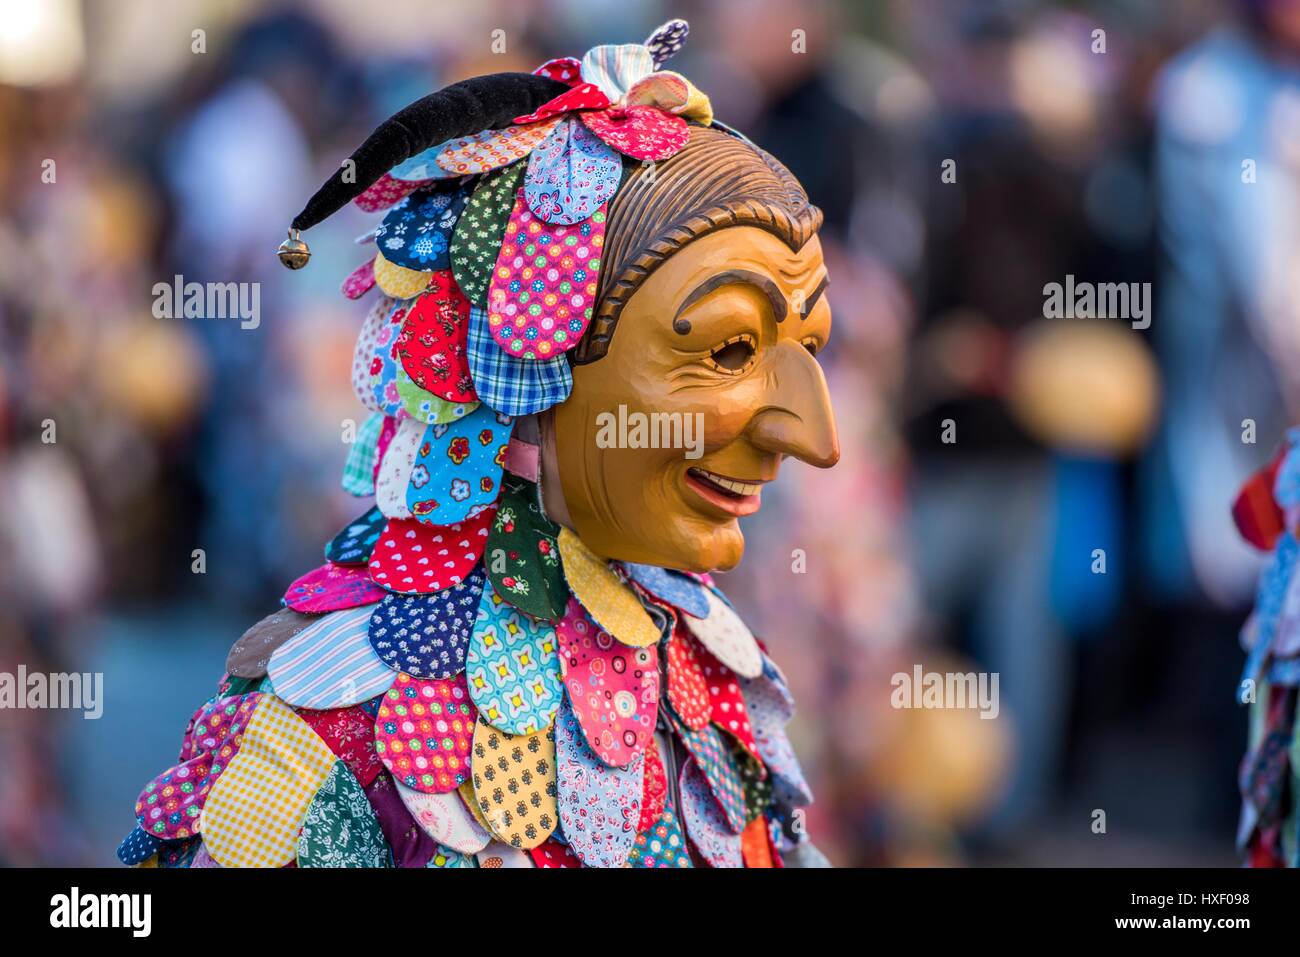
(470, 106)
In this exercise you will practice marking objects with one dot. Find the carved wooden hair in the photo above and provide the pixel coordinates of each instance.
(715, 182)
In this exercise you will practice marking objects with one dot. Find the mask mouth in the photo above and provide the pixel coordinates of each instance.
(737, 497)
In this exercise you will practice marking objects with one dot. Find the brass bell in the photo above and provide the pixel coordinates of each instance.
(293, 252)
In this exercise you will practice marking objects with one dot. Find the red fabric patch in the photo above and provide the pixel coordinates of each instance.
(386, 433)
(1258, 518)
(756, 844)
(654, 788)
(729, 711)
(350, 734)
(641, 132)
(551, 853)
(688, 691)
(566, 69)
(361, 281)
(386, 192)
(332, 588)
(431, 345)
(412, 557)
(584, 96)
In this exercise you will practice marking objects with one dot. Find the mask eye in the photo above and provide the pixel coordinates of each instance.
(733, 356)
(813, 346)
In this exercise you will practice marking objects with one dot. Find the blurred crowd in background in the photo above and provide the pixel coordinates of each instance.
(989, 454)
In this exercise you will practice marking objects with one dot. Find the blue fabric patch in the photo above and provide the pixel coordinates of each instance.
(458, 467)
(427, 635)
(511, 385)
(416, 233)
(677, 589)
(137, 847)
(352, 545)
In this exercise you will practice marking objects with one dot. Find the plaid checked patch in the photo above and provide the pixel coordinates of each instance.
(508, 384)
(359, 469)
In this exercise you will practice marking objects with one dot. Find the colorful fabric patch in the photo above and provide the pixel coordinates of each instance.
(768, 714)
(667, 39)
(410, 843)
(350, 734)
(363, 357)
(249, 656)
(688, 692)
(615, 67)
(599, 805)
(360, 281)
(566, 69)
(530, 578)
(510, 385)
(706, 822)
(416, 233)
(544, 285)
(654, 787)
(729, 639)
(340, 829)
(426, 635)
(644, 133)
(397, 281)
(421, 167)
(581, 96)
(424, 731)
(426, 408)
(491, 149)
(712, 756)
(498, 856)
(355, 541)
(613, 689)
(137, 847)
(551, 853)
(412, 557)
(386, 191)
(386, 374)
(513, 667)
(672, 93)
(330, 664)
(332, 588)
(446, 819)
(611, 604)
(1256, 512)
(431, 343)
(571, 175)
(255, 811)
(477, 239)
(514, 784)
(673, 588)
(661, 844)
(729, 711)
(755, 781)
(458, 467)
(395, 470)
(359, 469)
(448, 858)
(756, 844)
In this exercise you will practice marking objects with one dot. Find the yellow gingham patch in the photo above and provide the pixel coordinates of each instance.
(254, 812)
(611, 604)
(398, 281)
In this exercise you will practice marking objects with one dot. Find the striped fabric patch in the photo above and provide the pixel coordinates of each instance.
(330, 664)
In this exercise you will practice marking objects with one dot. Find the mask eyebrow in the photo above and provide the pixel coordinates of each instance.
(811, 301)
(726, 278)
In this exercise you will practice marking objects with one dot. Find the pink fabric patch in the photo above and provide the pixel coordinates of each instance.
(361, 281)
(522, 459)
(431, 343)
(688, 690)
(424, 731)
(551, 853)
(170, 804)
(584, 96)
(641, 132)
(414, 558)
(492, 149)
(543, 288)
(350, 734)
(613, 689)
(386, 433)
(332, 588)
(654, 788)
(386, 192)
(566, 69)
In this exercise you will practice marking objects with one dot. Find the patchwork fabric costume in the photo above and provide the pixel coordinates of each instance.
(1267, 513)
(463, 682)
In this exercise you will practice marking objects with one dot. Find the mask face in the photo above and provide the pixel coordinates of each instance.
(710, 380)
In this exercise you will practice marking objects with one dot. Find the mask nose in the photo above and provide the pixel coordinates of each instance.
(796, 418)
